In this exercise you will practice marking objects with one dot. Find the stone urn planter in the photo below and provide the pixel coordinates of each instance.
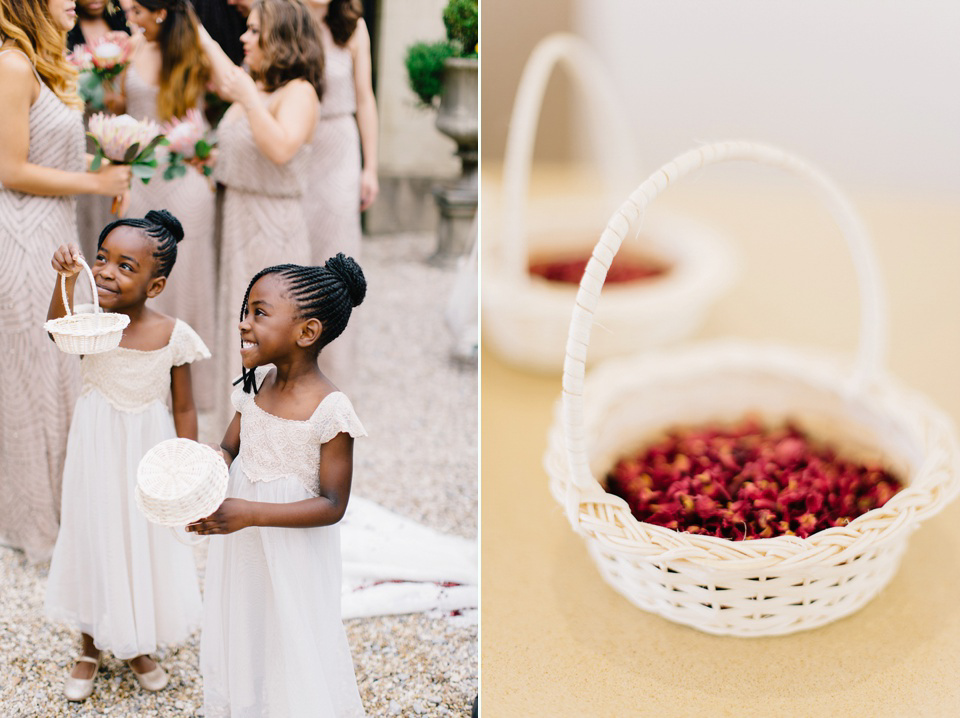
(458, 118)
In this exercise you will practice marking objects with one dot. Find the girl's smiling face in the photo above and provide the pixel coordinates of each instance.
(124, 269)
(272, 325)
(251, 41)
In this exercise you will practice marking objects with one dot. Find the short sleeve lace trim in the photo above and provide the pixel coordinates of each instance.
(186, 345)
(337, 416)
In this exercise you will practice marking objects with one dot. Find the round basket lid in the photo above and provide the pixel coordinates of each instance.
(180, 481)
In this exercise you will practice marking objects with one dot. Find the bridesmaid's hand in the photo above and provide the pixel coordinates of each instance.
(369, 188)
(233, 515)
(66, 260)
(238, 86)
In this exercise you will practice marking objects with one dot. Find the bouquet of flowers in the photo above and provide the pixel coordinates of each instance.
(99, 62)
(186, 141)
(125, 141)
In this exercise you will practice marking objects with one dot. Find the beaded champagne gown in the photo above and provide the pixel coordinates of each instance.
(273, 643)
(114, 575)
(262, 225)
(190, 292)
(38, 384)
(332, 200)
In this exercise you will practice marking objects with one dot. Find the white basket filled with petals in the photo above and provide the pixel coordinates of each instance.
(86, 332)
(662, 286)
(700, 477)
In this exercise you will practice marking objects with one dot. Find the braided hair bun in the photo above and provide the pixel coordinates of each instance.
(166, 220)
(348, 271)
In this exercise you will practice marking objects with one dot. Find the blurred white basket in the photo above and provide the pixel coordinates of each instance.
(86, 333)
(525, 317)
(180, 481)
(753, 587)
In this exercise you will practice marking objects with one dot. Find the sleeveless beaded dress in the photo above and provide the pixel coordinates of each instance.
(114, 575)
(273, 643)
(332, 200)
(262, 225)
(38, 383)
(190, 293)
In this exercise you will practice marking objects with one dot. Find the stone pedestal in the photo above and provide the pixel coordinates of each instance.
(458, 118)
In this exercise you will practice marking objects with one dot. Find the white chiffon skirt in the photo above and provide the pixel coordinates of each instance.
(273, 643)
(115, 576)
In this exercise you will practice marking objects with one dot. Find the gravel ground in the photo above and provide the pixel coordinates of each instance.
(420, 409)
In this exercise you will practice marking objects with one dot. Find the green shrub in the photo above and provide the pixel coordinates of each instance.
(425, 68)
(424, 60)
(462, 20)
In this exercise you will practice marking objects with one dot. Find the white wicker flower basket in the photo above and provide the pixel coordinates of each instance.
(180, 481)
(756, 587)
(525, 317)
(86, 333)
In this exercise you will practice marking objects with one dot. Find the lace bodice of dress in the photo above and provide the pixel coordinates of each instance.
(242, 166)
(272, 448)
(339, 91)
(131, 380)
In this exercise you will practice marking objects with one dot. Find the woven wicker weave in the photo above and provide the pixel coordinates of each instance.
(180, 481)
(525, 318)
(761, 586)
(86, 333)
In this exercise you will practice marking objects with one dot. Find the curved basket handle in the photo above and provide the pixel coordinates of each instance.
(870, 353)
(93, 289)
(616, 147)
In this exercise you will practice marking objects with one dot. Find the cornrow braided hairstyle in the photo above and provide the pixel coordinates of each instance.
(162, 227)
(327, 294)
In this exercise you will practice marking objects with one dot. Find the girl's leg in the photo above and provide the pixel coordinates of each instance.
(142, 664)
(84, 669)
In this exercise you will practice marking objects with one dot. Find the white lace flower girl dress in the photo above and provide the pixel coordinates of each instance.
(273, 643)
(115, 576)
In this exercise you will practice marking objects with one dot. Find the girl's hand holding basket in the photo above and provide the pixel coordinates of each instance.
(66, 260)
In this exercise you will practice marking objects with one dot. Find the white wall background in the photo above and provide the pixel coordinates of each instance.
(868, 89)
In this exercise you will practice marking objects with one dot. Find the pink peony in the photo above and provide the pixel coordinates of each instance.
(183, 134)
(117, 134)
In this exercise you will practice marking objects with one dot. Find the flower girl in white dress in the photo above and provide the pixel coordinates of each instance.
(126, 584)
(273, 643)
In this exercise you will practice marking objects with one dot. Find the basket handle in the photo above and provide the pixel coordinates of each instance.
(93, 288)
(616, 147)
(871, 349)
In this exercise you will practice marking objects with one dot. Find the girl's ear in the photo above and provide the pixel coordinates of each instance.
(155, 286)
(310, 331)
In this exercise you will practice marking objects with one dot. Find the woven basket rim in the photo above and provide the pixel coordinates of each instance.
(176, 509)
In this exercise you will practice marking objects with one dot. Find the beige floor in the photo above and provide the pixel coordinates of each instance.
(558, 641)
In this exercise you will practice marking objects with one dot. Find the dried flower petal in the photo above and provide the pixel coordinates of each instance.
(747, 481)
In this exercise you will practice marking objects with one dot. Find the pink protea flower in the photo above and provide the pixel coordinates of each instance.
(110, 53)
(747, 482)
(81, 58)
(184, 133)
(122, 138)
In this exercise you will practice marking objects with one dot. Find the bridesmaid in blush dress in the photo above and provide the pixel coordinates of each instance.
(166, 77)
(339, 186)
(262, 161)
(42, 169)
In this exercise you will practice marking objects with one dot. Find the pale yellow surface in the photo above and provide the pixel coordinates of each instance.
(557, 641)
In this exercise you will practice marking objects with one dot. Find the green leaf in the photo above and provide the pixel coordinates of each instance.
(158, 140)
(142, 171)
(131, 154)
(207, 170)
(202, 149)
(168, 173)
(97, 155)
